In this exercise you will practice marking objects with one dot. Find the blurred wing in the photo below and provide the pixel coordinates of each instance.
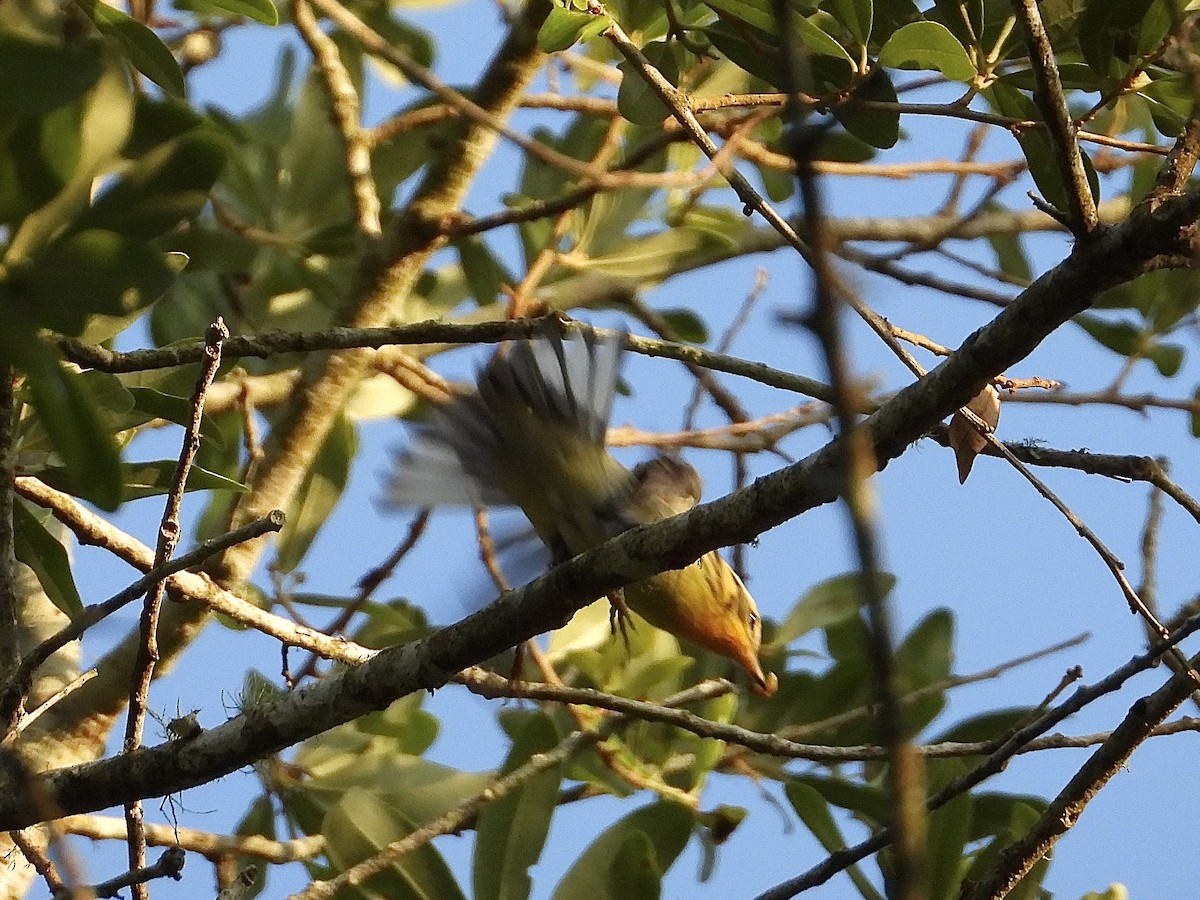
(532, 435)
(430, 472)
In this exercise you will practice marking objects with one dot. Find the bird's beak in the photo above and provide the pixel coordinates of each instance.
(764, 684)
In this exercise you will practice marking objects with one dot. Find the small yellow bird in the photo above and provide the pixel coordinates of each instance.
(532, 434)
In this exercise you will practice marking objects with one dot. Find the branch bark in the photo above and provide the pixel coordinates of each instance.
(1116, 254)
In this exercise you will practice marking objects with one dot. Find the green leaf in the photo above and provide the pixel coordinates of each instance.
(813, 811)
(761, 16)
(166, 185)
(564, 28)
(831, 601)
(318, 495)
(153, 404)
(634, 873)
(636, 99)
(752, 12)
(890, 16)
(69, 417)
(868, 802)
(1075, 76)
(1195, 414)
(652, 257)
(1010, 255)
(964, 18)
(138, 44)
(1167, 358)
(1038, 148)
(1107, 30)
(1124, 338)
(856, 16)
(90, 272)
(949, 828)
(989, 726)
(359, 826)
(880, 129)
(511, 831)
(263, 11)
(150, 479)
(1170, 98)
(816, 40)
(926, 653)
(37, 548)
(485, 274)
(391, 623)
(928, 46)
(687, 325)
(39, 76)
(666, 825)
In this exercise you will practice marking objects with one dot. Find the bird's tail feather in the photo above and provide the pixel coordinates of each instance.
(455, 459)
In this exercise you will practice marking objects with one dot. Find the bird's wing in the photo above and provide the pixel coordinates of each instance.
(531, 435)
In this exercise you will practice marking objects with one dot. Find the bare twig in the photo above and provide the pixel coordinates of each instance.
(995, 763)
(849, 717)
(100, 611)
(271, 344)
(1062, 129)
(10, 651)
(32, 851)
(723, 345)
(169, 865)
(753, 436)
(207, 844)
(168, 537)
(1064, 811)
(344, 108)
(91, 529)
(681, 110)
(454, 819)
(368, 584)
(34, 714)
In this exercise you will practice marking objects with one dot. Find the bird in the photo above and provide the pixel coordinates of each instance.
(532, 434)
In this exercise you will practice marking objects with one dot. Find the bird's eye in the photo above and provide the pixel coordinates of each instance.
(752, 619)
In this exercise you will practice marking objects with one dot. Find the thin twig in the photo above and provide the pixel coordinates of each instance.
(905, 777)
(95, 613)
(92, 530)
(995, 763)
(454, 820)
(1064, 811)
(754, 436)
(169, 865)
(945, 110)
(168, 537)
(29, 846)
(432, 331)
(368, 584)
(209, 845)
(679, 107)
(375, 43)
(10, 651)
(344, 108)
(487, 551)
(862, 713)
(1063, 132)
(46, 705)
(723, 345)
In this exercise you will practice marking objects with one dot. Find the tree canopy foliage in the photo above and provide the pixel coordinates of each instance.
(282, 275)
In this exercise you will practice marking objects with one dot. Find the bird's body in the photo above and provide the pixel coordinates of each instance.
(532, 435)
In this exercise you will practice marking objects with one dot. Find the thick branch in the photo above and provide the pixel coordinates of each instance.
(1116, 254)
